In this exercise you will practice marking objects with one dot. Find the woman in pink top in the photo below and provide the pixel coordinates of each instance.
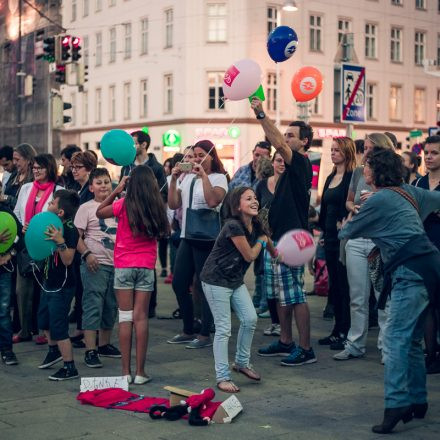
(142, 219)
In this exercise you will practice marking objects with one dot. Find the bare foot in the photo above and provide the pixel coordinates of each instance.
(227, 386)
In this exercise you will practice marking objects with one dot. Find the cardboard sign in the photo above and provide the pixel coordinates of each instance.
(228, 410)
(100, 383)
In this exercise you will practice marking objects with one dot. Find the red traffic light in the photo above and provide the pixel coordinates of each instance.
(76, 41)
(66, 41)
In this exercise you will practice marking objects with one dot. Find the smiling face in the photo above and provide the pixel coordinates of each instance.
(432, 157)
(249, 204)
(101, 187)
(21, 163)
(202, 157)
(368, 175)
(40, 173)
(79, 172)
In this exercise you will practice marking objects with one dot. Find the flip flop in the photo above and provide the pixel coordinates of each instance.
(249, 372)
(225, 390)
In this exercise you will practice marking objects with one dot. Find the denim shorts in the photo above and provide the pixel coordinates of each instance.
(135, 278)
(53, 312)
(98, 302)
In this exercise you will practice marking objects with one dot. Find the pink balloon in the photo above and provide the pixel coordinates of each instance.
(297, 247)
(241, 80)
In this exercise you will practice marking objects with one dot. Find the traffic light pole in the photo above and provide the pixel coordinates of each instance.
(19, 75)
(49, 118)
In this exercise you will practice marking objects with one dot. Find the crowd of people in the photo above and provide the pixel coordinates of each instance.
(379, 223)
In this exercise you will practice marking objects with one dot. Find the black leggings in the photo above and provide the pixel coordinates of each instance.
(190, 258)
(163, 249)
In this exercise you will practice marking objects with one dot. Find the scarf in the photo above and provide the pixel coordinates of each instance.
(31, 207)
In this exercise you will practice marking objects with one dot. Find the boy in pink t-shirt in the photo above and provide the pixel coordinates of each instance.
(135, 259)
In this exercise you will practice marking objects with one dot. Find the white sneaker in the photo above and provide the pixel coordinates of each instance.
(140, 380)
(344, 355)
(129, 378)
(273, 330)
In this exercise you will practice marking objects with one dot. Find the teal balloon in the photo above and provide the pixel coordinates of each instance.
(35, 238)
(7, 223)
(118, 147)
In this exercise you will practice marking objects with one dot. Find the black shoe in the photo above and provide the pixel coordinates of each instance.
(51, 358)
(328, 340)
(109, 350)
(163, 273)
(65, 374)
(391, 417)
(339, 344)
(9, 358)
(91, 359)
(419, 410)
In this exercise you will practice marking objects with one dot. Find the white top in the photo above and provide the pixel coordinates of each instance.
(199, 201)
(23, 195)
(5, 178)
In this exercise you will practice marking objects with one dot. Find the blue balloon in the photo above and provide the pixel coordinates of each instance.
(282, 43)
(118, 147)
(35, 238)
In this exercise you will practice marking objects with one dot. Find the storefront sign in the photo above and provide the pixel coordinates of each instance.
(171, 138)
(331, 132)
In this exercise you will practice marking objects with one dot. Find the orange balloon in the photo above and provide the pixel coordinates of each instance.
(306, 84)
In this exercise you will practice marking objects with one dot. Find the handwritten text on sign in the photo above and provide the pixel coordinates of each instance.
(101, 383)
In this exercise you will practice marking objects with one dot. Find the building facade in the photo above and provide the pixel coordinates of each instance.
(160, 65)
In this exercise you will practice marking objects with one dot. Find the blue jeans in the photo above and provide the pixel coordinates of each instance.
(5, 311)
(220, 300)
(405, 376)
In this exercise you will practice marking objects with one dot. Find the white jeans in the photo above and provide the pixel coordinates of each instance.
(357, 251)
(220, 300)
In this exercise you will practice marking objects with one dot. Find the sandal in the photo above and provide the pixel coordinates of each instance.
(248, 371)
(227, 386)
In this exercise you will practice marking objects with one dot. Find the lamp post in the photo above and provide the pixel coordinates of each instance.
(289, 6)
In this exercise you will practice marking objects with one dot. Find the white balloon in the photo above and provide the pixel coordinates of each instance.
(296, 247)
(241, 80)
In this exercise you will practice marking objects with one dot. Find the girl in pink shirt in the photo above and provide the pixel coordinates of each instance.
(142, 219)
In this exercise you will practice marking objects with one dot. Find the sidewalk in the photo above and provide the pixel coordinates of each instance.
(322, 401)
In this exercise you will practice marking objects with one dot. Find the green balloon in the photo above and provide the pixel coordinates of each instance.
(35, 238)
(118, 147)
(7, 223)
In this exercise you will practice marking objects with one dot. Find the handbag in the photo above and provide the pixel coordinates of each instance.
(201, 224)
(375, 263)
(25, 264)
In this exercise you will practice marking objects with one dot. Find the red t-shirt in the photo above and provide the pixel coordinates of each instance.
(131, 251)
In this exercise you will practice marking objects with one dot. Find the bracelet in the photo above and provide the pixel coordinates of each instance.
(62, 246)
(263, 243)
(85, 255)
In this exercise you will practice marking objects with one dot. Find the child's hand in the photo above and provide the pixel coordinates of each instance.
(175, 173)
(25, 228)
(5, 236)
(92, 263)
(54, 234)
(263, 238)
(121, 186)
(4, 259)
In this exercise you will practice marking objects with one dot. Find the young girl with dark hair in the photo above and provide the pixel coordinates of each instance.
(142, 220)
(239, 243)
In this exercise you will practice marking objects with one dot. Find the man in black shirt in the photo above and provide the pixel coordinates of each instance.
(289, 210)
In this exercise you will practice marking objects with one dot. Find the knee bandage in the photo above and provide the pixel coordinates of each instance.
(125, 315)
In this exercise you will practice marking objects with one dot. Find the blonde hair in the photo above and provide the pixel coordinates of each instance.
(348, 149)
(380, 140)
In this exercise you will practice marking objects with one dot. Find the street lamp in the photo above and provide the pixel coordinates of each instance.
(290, 6)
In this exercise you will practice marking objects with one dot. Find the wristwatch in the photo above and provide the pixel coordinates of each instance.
(261, 115)
(62, 246)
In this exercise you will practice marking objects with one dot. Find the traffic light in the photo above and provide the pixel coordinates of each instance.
(76, 48)
(49, 49)
(58, 109)
(60, 74)
(83, 72)
(39, 45)
(65, 47)
(66, 106)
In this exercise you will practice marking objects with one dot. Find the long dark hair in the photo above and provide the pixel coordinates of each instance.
(145, 208)
(208, 147)
(231, 209)
(48, 162)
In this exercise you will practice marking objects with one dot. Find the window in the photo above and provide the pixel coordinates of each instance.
(85, 108)
(396, 45)
(111, 3)
(168, 28)
(215, 91)
(344, 26)
(112, 40)
(168, 83)
(86, 50)
(272, 18)
(127, 100)
(144, 36)
(315, 33)
(144, 98)
(98, 5)
(112, 103)
(419, 48)
(419, 104)
(73, 112)
(316, 106)
(127, 40)
(86, 7)
(371, 101)
(395, 103)
(98, 52)
(98, 105)
(397, 2)
(272, 98)
(421, 4)
(74, 9)
(438, 50)
(216, 22)
(370, 40)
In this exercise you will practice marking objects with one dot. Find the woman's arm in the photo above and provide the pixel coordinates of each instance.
(214, 195)
(105, 209)
(248, 253)
(174, 194)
